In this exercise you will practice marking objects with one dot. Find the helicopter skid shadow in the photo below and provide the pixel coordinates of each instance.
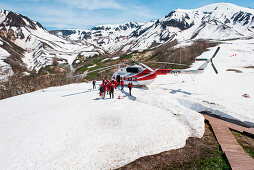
(73, 94)
(128, 95)
(98, 98)
(143, 87)
(181, 91)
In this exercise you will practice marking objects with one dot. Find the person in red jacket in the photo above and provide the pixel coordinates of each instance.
(115, 83)
(130, 88)
(107, 87)
(122, 84)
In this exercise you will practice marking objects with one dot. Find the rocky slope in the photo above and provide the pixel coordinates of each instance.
(25, 46)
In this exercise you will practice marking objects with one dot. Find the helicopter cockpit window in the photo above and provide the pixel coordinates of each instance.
(132, 70)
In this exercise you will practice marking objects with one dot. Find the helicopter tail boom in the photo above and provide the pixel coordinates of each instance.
(201, 68)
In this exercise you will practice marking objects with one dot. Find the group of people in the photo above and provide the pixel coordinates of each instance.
(108, 87)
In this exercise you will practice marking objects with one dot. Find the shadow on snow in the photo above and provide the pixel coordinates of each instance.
(127, 95)
(73, 94)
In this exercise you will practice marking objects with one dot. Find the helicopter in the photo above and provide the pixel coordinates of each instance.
(140, 74)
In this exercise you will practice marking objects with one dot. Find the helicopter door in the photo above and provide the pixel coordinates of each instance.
(118, 78)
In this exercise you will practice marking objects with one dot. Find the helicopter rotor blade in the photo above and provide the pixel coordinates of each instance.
(216, 52)
(99, 69)
(106, 69)
(168, 63)
(214, 68)
(149, 68)
(211, 60)
(201, 59)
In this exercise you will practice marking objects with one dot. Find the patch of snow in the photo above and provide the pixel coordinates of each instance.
(5, 69)
(92, 66)
(106, 59)
(115, 58)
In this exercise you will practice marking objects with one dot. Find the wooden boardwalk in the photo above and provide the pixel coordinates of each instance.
(237, 158)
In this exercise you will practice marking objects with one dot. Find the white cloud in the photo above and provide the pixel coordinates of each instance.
(92, 4)
(62, 16)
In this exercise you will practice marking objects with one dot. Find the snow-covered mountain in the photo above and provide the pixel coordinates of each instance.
(26, 46)
(105, 36)
(218, 21)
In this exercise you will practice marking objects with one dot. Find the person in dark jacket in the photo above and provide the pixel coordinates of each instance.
(130, 88)
(94, 84)
(111, 90)
(102, 91)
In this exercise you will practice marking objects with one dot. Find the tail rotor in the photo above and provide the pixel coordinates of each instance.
(209, 60)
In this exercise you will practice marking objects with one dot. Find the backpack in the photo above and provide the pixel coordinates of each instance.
(102, 89)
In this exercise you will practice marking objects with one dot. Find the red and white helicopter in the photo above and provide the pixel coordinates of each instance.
(141, 74)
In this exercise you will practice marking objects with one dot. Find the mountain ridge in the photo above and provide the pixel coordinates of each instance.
(224, 20)
(41, 48)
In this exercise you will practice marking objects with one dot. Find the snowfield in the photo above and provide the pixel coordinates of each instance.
(70, 127)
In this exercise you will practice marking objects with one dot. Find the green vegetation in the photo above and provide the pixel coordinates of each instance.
(92, 75)
(217, 160)
(246, 142)
(126, 57)
(45, 70)
(211, 158)
(82, 69)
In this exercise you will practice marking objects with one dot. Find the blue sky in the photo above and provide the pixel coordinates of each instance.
(84, 14)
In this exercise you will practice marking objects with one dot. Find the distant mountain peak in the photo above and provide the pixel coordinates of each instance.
(118, 27)
(12, 19)
(217, 7)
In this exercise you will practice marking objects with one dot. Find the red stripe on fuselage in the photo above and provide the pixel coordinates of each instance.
(143, 73)
(148, 77)
(146, 74)
(163, 71)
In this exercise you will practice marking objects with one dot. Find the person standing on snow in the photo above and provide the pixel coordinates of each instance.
(102, 91)
(94, 84)
(122, 84)
(108, 87)
(111, 90)
(130, 88)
